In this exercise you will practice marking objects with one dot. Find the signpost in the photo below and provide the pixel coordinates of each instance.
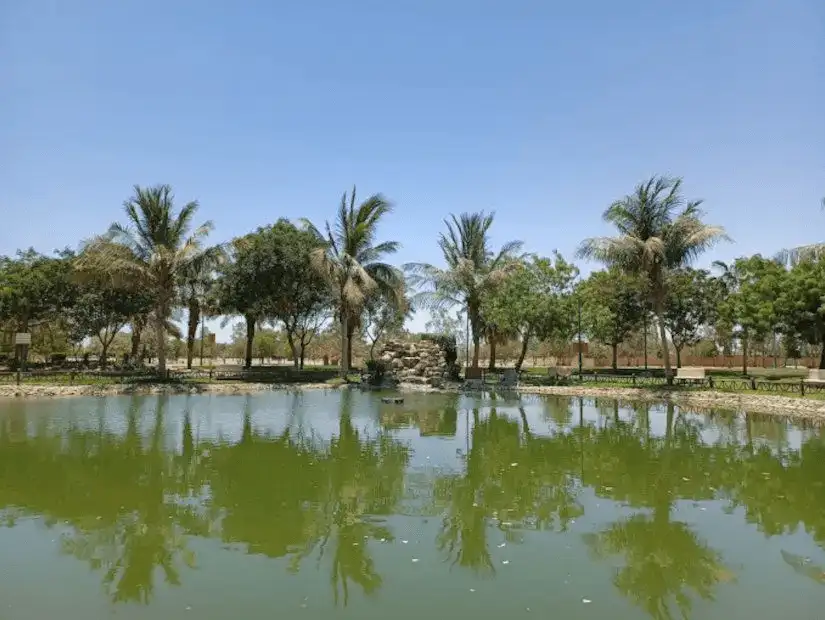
(23, 341)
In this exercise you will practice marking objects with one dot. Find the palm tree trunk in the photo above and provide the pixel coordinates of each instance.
(192, 331)
(660, 312)
(492, 365)
(615, 347)
(678, 356)
(344, 345)
(137, 328)
(350, 332)
(160, 339)
(250, 336)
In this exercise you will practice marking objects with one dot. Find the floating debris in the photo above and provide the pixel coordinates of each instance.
(415, 560)
(513, 464)
(472, 589)
(404, 542)
(502, 545)
(505, 562)
(586, 601)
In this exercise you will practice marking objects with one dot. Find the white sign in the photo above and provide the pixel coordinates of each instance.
(22, 338)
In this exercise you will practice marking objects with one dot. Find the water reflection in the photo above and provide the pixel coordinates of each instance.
(129, 501)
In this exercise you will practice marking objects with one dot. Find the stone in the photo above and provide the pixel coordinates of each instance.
(414, 362)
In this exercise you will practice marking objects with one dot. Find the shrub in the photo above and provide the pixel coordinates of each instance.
(376, 370)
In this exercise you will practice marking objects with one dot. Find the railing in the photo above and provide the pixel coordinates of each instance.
(802, 386)
(77, 377)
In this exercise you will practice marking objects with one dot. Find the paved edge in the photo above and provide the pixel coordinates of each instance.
(699, 400)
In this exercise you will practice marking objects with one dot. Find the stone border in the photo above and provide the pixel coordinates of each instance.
(705, 399)
(229, 387)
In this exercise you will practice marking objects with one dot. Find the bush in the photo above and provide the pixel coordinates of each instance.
(376, 371)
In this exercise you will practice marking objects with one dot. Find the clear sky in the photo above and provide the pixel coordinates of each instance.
(542, 111)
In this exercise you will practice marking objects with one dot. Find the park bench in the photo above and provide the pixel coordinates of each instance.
(509, 379)
(815, 375)
(473, 379)
(690, 375)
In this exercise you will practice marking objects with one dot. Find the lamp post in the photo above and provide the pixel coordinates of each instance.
(644, 318)
(466, 341)
(579, 303)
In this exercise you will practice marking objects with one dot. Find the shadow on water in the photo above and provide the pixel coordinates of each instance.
(129, 501)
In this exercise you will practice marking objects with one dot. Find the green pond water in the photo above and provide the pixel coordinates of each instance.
(330, 504)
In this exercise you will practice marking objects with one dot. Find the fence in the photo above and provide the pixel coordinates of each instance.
(801, 387)
(254, 375)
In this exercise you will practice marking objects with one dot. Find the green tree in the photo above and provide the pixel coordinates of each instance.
(658, 232)
(152, 251)
(792, 256)
(613, 307)
(753, 289)
(473, 270)
(383, 317)
(690, 307)
(34, 287)
(351, 262)
(535, 301)
(102, 309)
(803, 303)
(199, 297)
(299, 297)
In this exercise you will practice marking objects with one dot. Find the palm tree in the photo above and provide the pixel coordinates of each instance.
(472, 270)
(198, 295)
(351, 261)
(792, 256)
(658, 232)
(153, 251)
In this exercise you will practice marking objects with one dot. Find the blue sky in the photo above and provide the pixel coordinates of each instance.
(541, 111)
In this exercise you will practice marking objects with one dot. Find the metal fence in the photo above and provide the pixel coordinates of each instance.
(710, 382)
(256, 375)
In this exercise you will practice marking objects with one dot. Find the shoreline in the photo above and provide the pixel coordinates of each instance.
(704, 399)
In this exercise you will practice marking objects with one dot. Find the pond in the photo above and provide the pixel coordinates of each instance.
(331, 504)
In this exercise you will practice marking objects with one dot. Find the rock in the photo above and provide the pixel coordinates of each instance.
(414, 363)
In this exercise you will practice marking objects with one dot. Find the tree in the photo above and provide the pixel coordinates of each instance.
(472, 271)
(298, 297)
(351, 262)
(102, 309)
(383, 316)
(753, 289)
(658, 232)
(152, 252)
(199, 296)
(613, 307)
(535, 301)
(803, 304)
(811, 252)
(34, 287)
(270, 277)
(690, 306)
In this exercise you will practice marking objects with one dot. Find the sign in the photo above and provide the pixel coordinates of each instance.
(22, 338)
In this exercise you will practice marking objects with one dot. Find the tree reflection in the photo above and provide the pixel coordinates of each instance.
(291, 495)
(513, 481)
(112, 492)
(129, 499)
(665, 562)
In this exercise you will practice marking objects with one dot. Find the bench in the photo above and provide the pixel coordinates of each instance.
(815, 375)
(690, 375)
(473, 379)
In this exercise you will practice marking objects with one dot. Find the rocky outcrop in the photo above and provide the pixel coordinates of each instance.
(420, 362)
